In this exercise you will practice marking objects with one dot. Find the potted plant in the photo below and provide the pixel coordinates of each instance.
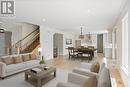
(42, 62)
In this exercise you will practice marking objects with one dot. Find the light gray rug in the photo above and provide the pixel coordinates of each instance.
(18, 80)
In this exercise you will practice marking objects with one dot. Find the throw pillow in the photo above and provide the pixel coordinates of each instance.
(18, 59)
(26, 57)
(33, 56)
(8, 60)
(95, 67)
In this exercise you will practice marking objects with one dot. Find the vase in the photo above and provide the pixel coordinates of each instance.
(42, 65)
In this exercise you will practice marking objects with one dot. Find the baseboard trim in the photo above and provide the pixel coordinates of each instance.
(113, 82)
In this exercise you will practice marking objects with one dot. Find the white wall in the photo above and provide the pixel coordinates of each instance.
(118, 27)
(67, 36)
(27, 28)
(109, 37)
(46, 41)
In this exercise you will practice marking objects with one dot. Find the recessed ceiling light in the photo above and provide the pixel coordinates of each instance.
(88, 10)
(43, 19)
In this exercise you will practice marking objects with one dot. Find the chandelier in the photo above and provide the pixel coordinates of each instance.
(81, 36)
(89, 36)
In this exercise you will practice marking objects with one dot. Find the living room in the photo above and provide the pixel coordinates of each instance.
(64, 39)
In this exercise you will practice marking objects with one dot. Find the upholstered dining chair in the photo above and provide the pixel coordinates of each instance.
(72, 52)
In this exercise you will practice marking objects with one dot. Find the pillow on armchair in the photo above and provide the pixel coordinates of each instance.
(95, 67)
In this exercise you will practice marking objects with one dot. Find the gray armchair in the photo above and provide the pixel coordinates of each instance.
(102, 78)
(77, 80)
(85, 69)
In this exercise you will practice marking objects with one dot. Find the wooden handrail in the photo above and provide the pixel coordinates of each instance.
(34, 37)
(25, 37)
(18, 44)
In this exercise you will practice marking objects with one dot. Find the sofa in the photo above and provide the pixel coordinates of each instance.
(78, 80)
(17, 63)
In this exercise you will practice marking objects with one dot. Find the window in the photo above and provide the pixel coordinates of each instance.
(125, 44)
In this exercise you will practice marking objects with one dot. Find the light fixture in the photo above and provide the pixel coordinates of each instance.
(39, 50)
(88, 10)
(2, 30)
(43, 19)
(89, 36)
(81, 36)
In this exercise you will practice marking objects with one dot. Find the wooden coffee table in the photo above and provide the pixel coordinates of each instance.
(38, 79)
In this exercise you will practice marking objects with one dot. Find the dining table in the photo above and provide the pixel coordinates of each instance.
(86, 50)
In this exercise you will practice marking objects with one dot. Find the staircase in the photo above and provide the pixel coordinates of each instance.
(28, 43)
(32, 46)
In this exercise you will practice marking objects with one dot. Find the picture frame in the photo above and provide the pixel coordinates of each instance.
(68, 41)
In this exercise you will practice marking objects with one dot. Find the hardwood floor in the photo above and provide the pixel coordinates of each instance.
(115, 73)
(66, 64)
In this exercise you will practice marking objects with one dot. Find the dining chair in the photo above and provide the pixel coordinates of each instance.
(72, 52)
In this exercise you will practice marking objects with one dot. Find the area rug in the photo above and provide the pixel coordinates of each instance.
(18, 80)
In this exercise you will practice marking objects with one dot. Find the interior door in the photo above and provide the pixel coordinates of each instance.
(58, 43)
(100, 43)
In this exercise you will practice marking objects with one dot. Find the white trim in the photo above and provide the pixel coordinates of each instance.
(125, 58)
(125, 70)
(113, 82)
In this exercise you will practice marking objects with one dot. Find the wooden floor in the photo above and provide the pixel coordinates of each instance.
(66, 64)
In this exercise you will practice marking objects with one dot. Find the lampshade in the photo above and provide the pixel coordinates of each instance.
(39, 49)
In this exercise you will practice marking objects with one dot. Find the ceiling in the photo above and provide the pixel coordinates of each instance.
(69, 15)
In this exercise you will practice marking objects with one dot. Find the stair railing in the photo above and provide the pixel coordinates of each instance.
(18, 46)
(29, 42)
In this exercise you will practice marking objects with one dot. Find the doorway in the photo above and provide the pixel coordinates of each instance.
(100, 43)
(57, 44)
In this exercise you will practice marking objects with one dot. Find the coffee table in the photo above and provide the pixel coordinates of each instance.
(38, 79)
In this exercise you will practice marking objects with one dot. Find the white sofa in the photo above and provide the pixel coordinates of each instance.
(6, 70)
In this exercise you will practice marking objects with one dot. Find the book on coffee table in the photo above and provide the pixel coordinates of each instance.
(36, 70)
